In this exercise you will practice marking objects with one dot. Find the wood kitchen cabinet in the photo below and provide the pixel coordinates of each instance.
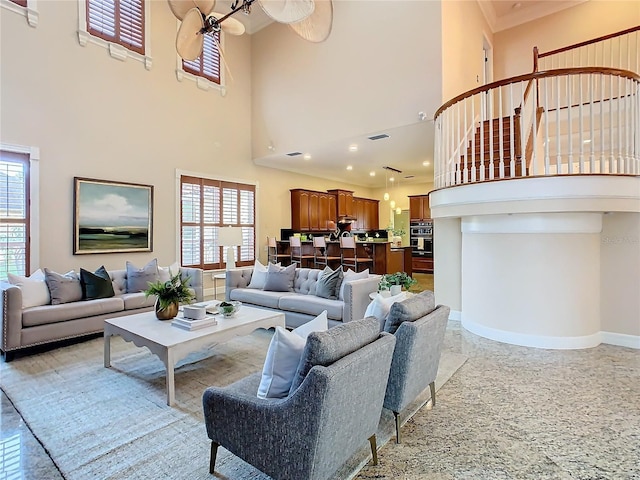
(419, 209)
(366, 214)
(345, 204)
(311, 211)
(422, 264)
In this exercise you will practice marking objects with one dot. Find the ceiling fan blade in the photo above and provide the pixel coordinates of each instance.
(190, 40)
(205, 6)
(317, 26)
(230, 24)
(287, 11)
(180, 7)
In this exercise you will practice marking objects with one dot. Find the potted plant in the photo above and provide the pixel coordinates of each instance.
(170, 294)
(395, 282)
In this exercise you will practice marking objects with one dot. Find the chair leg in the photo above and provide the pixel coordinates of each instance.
(212, 460)
(397, 417)
(374, 449)
(432, 387)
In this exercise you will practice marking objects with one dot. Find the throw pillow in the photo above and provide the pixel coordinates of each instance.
(283, 357)
(409, 310)
(63, 288)
(259, 275)
(138, 278)
(328, 285)
(34, 289)
(165, 273)
(280, 279)
(380, 306)
(325, 348)
(96, 285)
(350, 276)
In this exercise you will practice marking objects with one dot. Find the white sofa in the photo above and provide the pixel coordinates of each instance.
(32, 326)
(302, 305)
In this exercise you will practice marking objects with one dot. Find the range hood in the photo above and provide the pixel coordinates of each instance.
(346, 219)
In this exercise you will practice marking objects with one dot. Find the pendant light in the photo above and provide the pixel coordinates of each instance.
(392, 204)
(398, 209)
(386, 187)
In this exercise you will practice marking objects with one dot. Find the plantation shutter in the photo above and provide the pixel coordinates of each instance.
(14, 214)
(206, 65)
(206, 205)
(22, 3)
(118, 21)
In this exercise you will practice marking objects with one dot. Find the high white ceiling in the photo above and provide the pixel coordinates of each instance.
(407, 148)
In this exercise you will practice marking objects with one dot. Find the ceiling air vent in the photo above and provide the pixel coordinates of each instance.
(378, 137)
(294, 154)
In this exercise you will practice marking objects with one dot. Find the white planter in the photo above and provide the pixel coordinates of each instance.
(396, 289)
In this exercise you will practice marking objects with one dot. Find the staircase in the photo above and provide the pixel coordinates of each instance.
(481, 155)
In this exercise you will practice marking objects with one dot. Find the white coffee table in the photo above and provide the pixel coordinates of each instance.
(172, 344)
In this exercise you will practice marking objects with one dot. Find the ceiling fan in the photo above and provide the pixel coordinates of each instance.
(310, 19)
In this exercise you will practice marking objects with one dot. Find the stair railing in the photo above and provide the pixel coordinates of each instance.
(584, 120)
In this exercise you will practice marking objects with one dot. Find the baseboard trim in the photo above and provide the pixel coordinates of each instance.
(537, 341)
(455, 315)
(621, 340)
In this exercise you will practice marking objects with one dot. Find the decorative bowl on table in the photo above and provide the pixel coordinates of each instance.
(229, 309)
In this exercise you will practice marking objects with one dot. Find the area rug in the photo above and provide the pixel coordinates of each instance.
(113, 423)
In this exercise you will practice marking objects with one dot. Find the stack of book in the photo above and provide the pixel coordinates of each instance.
(191, 324)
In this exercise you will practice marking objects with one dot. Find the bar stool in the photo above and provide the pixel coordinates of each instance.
(272, 251)
(295, 248)
(320, 256)
(349, 254)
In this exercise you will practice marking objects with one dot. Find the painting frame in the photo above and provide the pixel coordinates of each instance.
(111, 216)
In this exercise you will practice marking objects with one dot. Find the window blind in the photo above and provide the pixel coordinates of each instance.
(206, 65)
(207, 205)
(118, 21)
(14, 214)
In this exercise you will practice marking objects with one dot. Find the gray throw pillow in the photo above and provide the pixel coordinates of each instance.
(280, 279)
(63, 288)
(328, 285)
(96, 285)
(138, 278)
(409, 310)
(325, 348)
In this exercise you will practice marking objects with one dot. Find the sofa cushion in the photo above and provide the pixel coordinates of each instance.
(380, 306)
(409, 310)
(350, 276)
(138, 279)
(257, 297)
(284, 355)
(325, 348)
(63, 288)
(328, 284)
(165, 273)
(259, 275)
(119, 281)
(34, 288)
(280, 279)
(137, 300)
(96, 285)
(311, 305)
(70, 311)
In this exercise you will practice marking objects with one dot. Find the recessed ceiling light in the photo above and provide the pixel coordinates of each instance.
(425, 163)
(349, 167)
(353, 148)
(307, 156)
(372, 173)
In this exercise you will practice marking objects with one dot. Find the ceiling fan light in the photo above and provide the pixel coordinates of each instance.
(287, 11)
(386, 196)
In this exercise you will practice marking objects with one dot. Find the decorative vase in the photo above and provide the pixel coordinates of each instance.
(166, 313)
(395, 289)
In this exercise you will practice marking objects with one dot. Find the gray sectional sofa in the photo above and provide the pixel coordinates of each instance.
(301, 304)
(28, 327)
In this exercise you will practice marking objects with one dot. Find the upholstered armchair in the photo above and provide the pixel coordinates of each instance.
(415, 360)
(328, 416)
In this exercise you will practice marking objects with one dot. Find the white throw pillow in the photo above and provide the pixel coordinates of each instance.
(350, 276)
(283, 357)
(259, 275)
(380, 306)
(165, 273)
(34, 289)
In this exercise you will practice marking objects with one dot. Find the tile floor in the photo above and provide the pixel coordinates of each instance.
(509, 413)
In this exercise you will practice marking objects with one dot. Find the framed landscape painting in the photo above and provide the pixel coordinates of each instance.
(112, 217)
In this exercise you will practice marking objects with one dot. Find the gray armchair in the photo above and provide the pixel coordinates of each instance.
(323, 422)
(415, 361)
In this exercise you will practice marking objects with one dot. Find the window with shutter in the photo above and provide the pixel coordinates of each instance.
(14, 214)
(119, 25)
(26, 8)
(206, 65)
(205, 206)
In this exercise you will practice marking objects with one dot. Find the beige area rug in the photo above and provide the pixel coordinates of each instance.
(114, 423)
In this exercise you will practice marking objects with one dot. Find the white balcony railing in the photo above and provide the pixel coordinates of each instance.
(557, 122)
